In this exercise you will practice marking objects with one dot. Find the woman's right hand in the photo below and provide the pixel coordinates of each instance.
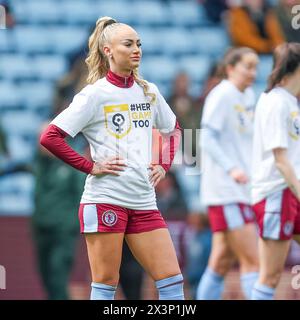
(109, 166)
(238, 175)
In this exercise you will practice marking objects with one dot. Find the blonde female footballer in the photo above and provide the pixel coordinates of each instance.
(116, 112)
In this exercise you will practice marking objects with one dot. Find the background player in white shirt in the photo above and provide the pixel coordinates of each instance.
(116, 113)
(276, 168)
(226, 142)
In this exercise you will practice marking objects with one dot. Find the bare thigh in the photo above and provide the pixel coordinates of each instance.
(105, 254)
(154, 250)
(244, 243)
(272, 257)
(221, 257)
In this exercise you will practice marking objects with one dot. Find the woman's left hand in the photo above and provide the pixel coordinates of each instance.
(157, 174)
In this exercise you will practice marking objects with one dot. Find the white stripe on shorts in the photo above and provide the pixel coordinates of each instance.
(90, 218)
(233, 216)
(272, 216)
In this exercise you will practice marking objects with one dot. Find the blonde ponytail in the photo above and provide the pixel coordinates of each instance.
(97, 61)
(144, 84)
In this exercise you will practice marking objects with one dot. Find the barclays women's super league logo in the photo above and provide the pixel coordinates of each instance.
(118, 120)
(2, 18)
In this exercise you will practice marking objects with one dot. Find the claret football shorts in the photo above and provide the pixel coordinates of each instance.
(99, 217)
(229, 216)
(278, 215)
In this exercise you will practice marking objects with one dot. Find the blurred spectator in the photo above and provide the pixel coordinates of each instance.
(284, 14)
(54, 222)
(170, 200)
(215, 76)
(187, 112)
(172, 205)
(7, 165)
(254, 25)
(70, 84)
(197, 250)
(9, 19)
(131, 275)
(198, 235)
(214, 9)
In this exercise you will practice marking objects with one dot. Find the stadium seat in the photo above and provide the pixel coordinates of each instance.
(196, 66)
(33, 39)
(44, 12)
(50, 67)
(150, 13)
(16, 194)
(176, 41)
(16, 205)
(187, 13)
(37, 95)
(164, 89)
(150, 39)
(20, 11)
(17, 182)
(68, 39)
(16, 66)
(78, 12)
(212, 41)
(259, 88)
(21, 150)
(10, 96)
(264, 68)
(122, 11)
(21, 123)
(158, 69)
(6, 41)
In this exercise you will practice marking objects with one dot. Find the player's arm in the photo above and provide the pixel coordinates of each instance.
(53, 139)
(284, 166)
(167, 150)
(210, 142)
(170, 145)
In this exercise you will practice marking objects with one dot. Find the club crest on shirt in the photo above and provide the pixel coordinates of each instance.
(109, 218)
(244, 117)
(294, 125)
(117, 120)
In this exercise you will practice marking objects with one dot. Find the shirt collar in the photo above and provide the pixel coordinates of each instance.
(122, 82)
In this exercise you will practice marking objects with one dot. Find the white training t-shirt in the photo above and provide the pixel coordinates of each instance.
(115, 121)
(276, 125)
(230, 112)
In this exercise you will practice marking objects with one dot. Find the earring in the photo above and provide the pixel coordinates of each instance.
(110, 55)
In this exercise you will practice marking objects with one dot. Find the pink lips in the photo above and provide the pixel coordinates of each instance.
(136, 58)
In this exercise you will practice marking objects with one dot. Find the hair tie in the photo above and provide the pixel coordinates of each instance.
(109, 22)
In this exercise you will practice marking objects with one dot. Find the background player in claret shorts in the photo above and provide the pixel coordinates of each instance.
(116, 113)
(226, 142)
(276, 168)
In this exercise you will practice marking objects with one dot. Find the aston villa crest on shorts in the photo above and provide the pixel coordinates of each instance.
(117, 120)
(109, 218)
